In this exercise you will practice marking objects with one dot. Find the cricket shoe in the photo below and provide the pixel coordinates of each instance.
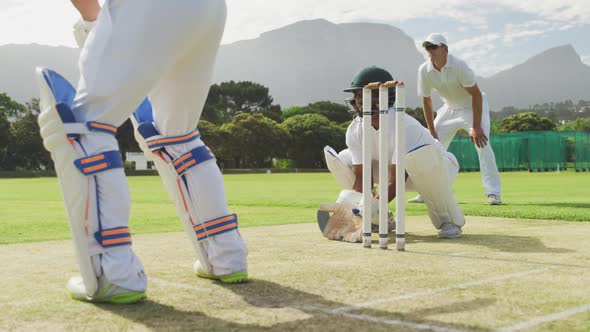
(107, 292)
(494, 199)
(417, 199)
(233, 278)
(449, 231)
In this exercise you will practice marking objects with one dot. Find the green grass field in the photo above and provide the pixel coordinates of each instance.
(32, 209)
(513, 269)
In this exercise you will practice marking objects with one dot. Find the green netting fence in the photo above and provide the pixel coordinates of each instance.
(534, 151)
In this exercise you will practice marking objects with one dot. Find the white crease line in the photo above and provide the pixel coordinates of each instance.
(440, 290)
(396, 322)
(387, 321)
(545, 319)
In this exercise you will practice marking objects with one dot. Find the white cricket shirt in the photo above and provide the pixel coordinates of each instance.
(416, 136)
(450, 82)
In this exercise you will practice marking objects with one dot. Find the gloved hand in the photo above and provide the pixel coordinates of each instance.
(343, 225)
(375, 215)
(354, 198)
(82, 30)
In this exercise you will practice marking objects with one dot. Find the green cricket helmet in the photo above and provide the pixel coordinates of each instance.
(370, 75)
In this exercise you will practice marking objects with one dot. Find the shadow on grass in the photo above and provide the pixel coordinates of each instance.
(507, 243)
(326, 316)
(162, 317)
(561, 205)
(528, 205)
(270, 295)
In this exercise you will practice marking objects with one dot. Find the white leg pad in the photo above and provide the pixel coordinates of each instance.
(62, 136)
(429, 168)
(340, 165)
(178, 194)
(195, 185)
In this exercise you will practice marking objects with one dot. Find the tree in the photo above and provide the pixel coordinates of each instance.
(579, 124)
(494, 126)
(212, 110)
(26, 150)
(254, 140)
(9, 110)
(4, 139)
(309, 134)
(126, 138)
(10, 107)
(528, 121)
(218, 140)
(333, 111)
(229, 99)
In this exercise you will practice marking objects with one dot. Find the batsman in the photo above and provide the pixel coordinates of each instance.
(430, 169)
(133, 49)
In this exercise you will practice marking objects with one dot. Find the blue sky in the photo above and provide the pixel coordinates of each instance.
(489, 35)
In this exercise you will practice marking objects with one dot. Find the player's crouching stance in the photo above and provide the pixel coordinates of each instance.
(170, 59)
(430, 170)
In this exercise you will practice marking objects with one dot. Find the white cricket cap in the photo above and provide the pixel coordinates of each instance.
(435, 39)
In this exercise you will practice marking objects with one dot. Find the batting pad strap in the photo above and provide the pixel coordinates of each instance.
(113, 237)
(216, 226)
(192, 158)
(162, 141)
(74, 129)
(101, 127)
(99, 162)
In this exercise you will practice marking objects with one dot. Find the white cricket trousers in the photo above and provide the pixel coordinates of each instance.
(164, 50)
(449, 120)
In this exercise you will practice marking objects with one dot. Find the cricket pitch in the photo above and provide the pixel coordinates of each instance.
(501, 275)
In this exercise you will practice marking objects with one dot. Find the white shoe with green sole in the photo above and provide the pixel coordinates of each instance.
(233, 278)
(107, 292)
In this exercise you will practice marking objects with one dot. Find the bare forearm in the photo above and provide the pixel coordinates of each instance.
(358, 178)
(428, 114)
(477, 134)
(88, 9)
(476, 104)
(392, 183)
(391, 191)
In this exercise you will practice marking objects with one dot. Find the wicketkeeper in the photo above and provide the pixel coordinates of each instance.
(131, 49)
(430, 170)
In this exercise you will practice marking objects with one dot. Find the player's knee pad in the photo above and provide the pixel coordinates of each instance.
(77, 169)
(428, 168)
(173, 167)
(340, 165)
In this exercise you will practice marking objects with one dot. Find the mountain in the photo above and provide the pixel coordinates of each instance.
(18, 62)
(314, 60)
(554, 75)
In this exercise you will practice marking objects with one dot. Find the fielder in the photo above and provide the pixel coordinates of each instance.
(430, 170)
(465, 107)
(132, 49)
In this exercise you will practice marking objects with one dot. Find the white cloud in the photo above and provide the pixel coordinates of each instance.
(480, 54)
(50, 21)
(37, 21)
(534, 28)
(247, 19)
(571, 11)
(586, 59)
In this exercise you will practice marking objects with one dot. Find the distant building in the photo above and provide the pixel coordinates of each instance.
(139, 161)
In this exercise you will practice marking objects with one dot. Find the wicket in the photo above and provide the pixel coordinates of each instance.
(383, 166)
